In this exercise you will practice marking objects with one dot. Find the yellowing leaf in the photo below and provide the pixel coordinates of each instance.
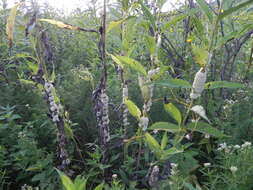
(200, 55)
(10, 24)
(114, 24)
(60, 24)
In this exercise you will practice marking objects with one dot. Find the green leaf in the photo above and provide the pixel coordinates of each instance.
(206, 9)
(114, 24)
(66, 181)
(147, 14)
(165, 126)
(205, 128)
(174, 83)
(223, 84)
(153, 144)
(151, 44)
(168, 153)
(233, 9)
(99, 187)
(174, 112)
(28, 82)
(164, 140)
(179, 18)
(116, 60)
(80, 183)
(133, 64)
(133, 109)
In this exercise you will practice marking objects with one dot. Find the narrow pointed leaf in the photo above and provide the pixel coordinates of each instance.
(233, 9)
(174, 83)
(223, 84)
(133, 64)
(164, 140)
(205, 128)
(165, 126)
(206, 9)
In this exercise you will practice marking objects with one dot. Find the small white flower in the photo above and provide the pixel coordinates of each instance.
(114, 176)
(233, 169)
(207, 164)
(207, 136)
(173, 165)
(246, 144)
(237, 146)
(155, 131)
(188, 136)
(51, 98)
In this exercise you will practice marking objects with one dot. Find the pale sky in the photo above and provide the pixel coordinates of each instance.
(69, 5)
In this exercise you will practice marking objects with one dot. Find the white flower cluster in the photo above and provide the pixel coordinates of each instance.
(228, 149)
(233, 169)
(207, 164)
(198, 109)
(198, 84)
(54, 108)
(143, 123)
(27, 187)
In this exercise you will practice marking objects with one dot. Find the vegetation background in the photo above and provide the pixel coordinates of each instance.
(122, 95)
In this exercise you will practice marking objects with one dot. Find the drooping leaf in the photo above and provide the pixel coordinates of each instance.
(10, 24)
(153, 144)
(233, 9)
(151, 44)
(206, 9)
(116, 60)
(174, 112)
(174, 83)
(133, 109)
(223, 84)
(205, 128)
(133, 64)
(165, 126)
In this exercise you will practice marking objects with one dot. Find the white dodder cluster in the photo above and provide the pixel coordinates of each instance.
(54, 108)
(125, 110)
(103, 117)
(198, 83)
(154, 176)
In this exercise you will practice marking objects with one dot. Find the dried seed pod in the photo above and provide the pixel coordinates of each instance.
(198, 84)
